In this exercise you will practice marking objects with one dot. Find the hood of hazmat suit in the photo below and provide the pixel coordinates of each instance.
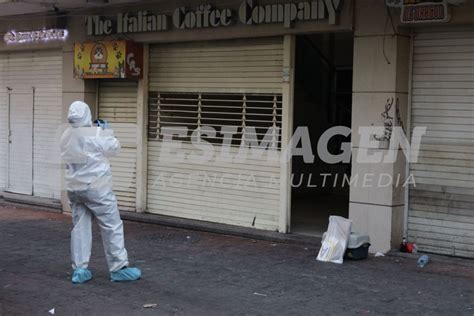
(85, 150)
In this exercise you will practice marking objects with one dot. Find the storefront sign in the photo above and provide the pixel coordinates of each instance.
(207, 16)
(108, 59)
(421, 11)
(425, 11)
(14, 37)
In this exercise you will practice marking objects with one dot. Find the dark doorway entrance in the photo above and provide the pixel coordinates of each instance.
(322, 99)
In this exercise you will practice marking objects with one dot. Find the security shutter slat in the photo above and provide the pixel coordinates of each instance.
(250, 66)
(20, 162)
(224, 83)
(43, 71)
(441, 207)
(3, 123)
(47, 70)
(118, 105)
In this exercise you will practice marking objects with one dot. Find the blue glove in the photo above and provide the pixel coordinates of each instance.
(102, 123)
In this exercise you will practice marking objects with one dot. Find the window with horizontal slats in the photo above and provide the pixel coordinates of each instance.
(253, 116)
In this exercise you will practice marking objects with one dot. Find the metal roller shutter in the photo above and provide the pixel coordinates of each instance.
(3, 124)
(40, 73)
(118, 105)
(46, 73)
(237, 66)
(226, 83)
(441, 206)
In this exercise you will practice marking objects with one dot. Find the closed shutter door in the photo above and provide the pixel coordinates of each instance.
(118, 105)
(46, 73)
(441, 206)
(20, 148)
(3, 124)
(41, 73)
(217, 84)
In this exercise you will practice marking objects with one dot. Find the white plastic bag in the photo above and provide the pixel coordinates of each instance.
(335, 242)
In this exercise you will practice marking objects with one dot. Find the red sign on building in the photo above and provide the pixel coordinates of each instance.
(416, 11)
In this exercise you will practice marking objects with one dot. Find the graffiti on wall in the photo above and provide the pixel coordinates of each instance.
(389, 120)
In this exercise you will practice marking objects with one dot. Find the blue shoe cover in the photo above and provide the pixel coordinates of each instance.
(81, 275)
(126, 274)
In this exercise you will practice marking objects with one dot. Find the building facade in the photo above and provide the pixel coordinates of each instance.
(216, 77)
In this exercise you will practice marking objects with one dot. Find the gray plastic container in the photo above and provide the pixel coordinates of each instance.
(357, 247)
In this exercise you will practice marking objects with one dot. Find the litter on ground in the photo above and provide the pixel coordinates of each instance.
(259, 294)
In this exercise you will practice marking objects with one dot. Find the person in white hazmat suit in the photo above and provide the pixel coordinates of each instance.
(84, 150)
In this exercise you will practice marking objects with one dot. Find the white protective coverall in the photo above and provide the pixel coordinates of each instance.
(85, 150)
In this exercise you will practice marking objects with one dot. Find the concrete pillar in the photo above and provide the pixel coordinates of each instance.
(381, 68)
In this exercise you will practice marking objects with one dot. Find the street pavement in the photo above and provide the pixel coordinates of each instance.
(196, 273)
